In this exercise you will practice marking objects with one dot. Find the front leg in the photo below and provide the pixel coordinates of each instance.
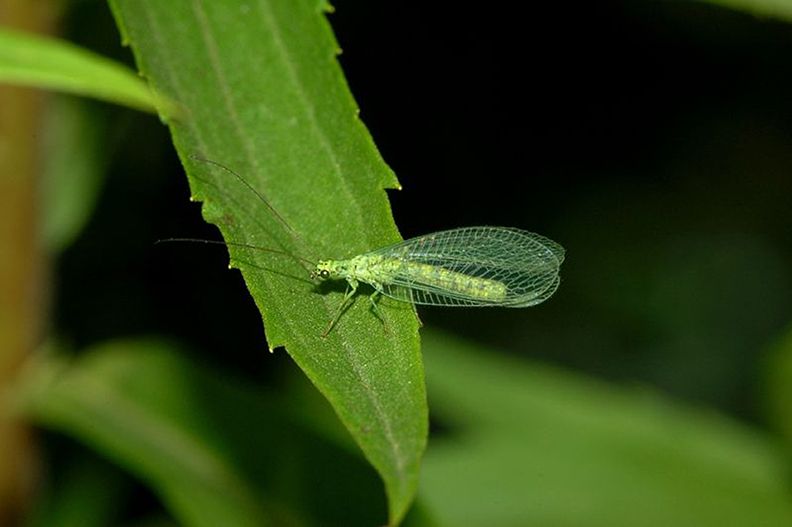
(351, 289)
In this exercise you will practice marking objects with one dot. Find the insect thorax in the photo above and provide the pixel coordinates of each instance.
(364, 268)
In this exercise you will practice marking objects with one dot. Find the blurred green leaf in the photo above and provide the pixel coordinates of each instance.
(217, 451)
(127, 400)
(73, 171)
(781, 9)
(89, 493)
(155, 522)
(778, 388)
(531, 445)
(51, 64)
(264, 95)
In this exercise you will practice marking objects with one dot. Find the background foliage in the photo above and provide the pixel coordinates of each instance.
(650, 138)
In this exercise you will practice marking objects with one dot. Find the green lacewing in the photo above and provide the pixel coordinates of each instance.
(468, 266)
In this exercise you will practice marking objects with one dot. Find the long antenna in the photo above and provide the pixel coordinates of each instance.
(226, 244)
(258, 194)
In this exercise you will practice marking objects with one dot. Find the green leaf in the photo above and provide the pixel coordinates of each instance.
(51, 64)
(216, 450)
(264, 95)
(778, 388)
(71, 501)
(125, 399)
(527, 444)
(73, 172)
(780, 9)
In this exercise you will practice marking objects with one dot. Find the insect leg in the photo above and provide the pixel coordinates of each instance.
(373, 299)
(350, 291)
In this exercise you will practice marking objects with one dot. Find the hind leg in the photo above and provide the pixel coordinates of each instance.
(373, 298)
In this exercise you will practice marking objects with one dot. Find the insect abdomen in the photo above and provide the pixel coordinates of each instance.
(455, 282)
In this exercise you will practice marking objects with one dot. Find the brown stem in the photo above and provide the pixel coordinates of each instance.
(24, 277)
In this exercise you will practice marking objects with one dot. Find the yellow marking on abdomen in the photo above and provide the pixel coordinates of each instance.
(441, 278)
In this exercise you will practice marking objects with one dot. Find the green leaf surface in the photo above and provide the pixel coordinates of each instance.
(31, 60)
(780, 9)
(263, 94)
(527, 444)
(217, 451)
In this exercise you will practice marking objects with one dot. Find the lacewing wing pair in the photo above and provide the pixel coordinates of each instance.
(468, 266)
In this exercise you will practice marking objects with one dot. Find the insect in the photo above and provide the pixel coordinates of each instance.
(469, 266)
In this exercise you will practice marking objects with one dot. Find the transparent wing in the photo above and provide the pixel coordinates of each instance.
(472, 266)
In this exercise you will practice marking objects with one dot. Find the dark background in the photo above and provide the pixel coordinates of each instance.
(651, 139)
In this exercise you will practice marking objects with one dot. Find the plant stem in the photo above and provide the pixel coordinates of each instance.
(23, 264)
